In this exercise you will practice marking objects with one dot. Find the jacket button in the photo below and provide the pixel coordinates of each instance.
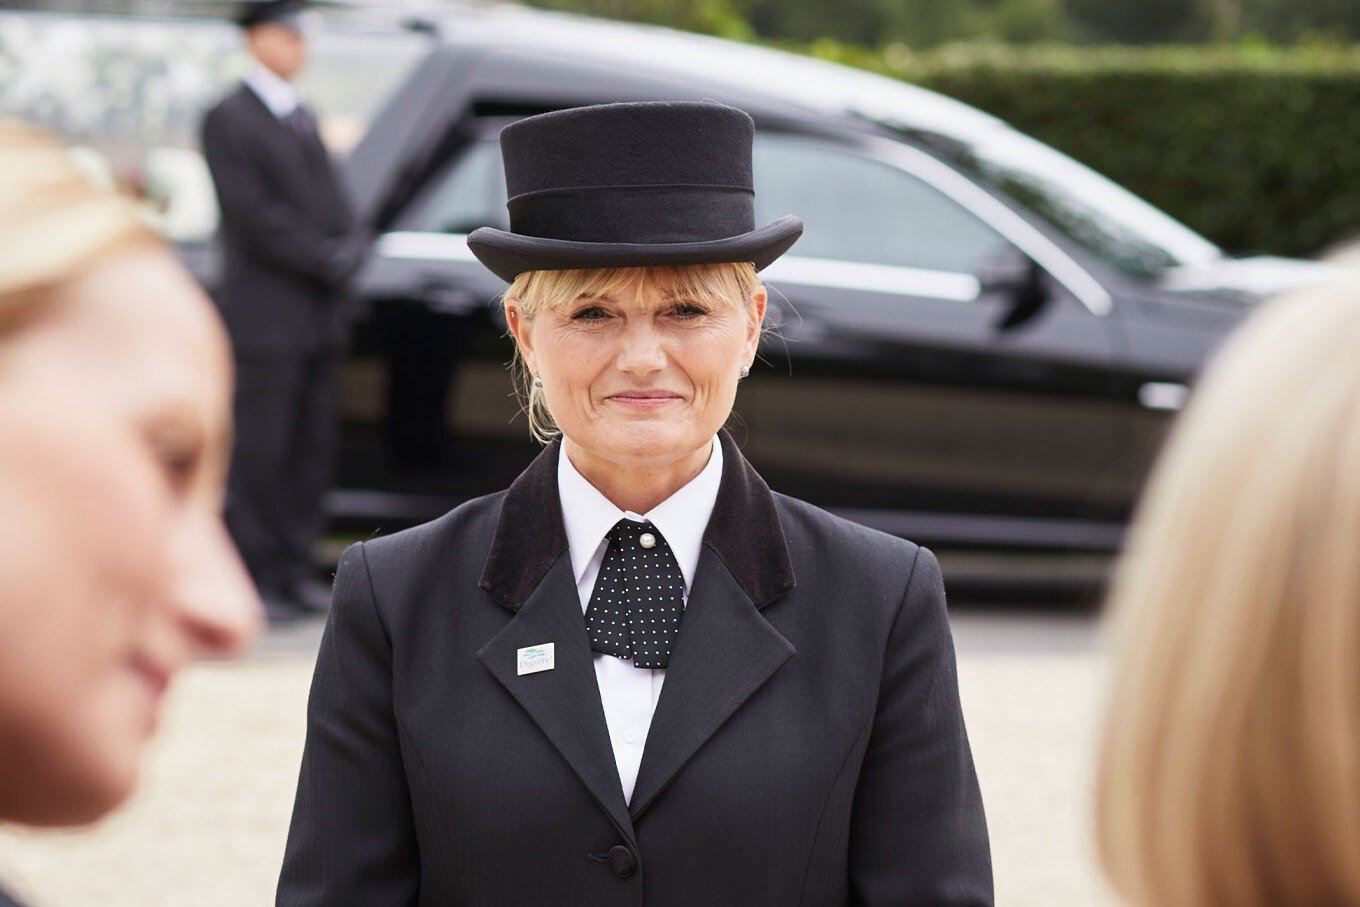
(621, 861)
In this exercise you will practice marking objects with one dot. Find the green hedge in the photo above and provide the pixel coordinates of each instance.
(1257, 148)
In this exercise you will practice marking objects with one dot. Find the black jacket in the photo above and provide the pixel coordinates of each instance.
(807, 748)
(288, 234)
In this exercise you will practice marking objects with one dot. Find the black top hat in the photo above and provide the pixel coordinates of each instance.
(287, 13)
(630, 185)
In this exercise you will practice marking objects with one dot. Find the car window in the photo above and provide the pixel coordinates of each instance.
(1105, 219)
(468, 194)
(854, 208)
(351, 74)
(128, 94)
(861, 210)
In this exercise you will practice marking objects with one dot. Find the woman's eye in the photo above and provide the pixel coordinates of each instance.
(590, 313)
(689, 310)
(178, 459)
(180, 466)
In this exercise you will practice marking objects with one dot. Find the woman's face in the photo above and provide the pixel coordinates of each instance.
(640, 387)
(115, 567)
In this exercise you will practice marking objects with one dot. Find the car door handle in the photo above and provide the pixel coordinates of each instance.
(440, 296)
(791, 324)
(1163, 396)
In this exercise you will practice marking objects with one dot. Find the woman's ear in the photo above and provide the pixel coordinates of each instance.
(756, 318)
(518, 322)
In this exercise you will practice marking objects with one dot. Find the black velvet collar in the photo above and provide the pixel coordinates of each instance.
(744, 531)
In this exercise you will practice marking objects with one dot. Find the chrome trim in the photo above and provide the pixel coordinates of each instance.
(860, 275)
(826, 272)
(818, 272)
(420, 245)
(995, 214)
(1163, 396)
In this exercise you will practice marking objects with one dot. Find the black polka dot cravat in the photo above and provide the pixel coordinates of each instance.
(638, 600)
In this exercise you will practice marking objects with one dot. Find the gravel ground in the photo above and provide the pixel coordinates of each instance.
(208, 825)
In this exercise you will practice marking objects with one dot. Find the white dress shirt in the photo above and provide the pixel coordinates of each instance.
(278, 93)
(629, 694)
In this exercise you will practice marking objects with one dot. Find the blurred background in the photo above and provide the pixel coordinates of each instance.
(1139, 91)
(982, 338)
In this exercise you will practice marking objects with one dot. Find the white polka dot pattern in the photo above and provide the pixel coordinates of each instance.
(638, 600)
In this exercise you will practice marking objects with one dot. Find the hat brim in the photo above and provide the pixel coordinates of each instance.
(508, 255)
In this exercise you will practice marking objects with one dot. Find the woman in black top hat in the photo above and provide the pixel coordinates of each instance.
(638, 676)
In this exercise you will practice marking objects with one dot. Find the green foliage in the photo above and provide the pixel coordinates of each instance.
(928, 23)
(920, 23)
(709, 17)
(1253, 146)
(1145, 20)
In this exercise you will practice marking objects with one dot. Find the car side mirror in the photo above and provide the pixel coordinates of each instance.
(1017, 280)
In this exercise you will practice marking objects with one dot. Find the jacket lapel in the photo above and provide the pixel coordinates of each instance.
(528, 572)
(287, 143)
(726, 649)
(563, 702)
(725, 652)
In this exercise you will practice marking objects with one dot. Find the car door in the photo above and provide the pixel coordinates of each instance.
(901, 377)
(429, 362)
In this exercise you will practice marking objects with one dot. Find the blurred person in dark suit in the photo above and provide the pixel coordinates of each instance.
(115, 412)
(290, 244)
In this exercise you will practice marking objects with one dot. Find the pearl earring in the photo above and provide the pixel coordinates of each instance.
(745, 371)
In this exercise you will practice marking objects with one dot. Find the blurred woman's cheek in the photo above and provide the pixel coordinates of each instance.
(83, 569)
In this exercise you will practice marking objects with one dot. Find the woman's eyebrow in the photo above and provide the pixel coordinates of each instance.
(595, 297)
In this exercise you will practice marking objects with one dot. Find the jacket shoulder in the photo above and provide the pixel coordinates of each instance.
(230, 108)
(464, 532)
(817, 536)
(831, 535)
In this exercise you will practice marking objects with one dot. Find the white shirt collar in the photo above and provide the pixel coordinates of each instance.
(682, 518)
(278, 93)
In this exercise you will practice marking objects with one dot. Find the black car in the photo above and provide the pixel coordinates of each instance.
(976, 343)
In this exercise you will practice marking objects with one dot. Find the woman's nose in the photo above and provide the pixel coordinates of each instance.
(216, 601)
(642, 351)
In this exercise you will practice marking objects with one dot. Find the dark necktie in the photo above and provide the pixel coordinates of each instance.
(301, 122)
(638, 600)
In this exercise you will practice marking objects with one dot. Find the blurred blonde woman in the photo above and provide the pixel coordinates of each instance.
(115, 568)
(1230, 772)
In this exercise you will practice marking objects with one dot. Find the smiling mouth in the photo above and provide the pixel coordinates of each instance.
(644, 399)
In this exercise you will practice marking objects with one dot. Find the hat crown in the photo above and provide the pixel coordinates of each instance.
(634, 184)
(643, 172)
(649, 143)
(263, 12)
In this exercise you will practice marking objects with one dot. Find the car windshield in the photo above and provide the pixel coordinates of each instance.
(1111, 223)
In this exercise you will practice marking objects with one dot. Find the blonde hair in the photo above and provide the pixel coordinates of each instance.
(53, 220)
(1230, 766)
(537, 291)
